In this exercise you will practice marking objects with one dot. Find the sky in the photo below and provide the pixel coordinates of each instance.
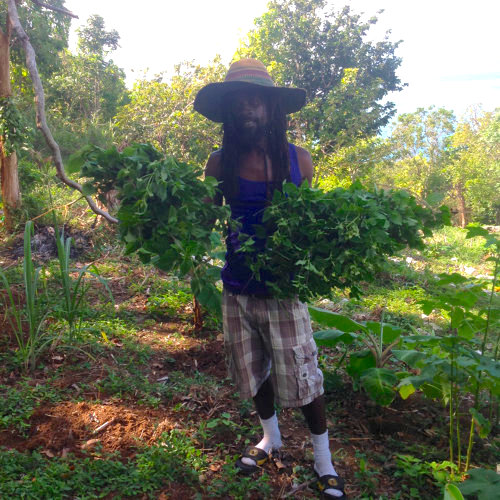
(450, 48)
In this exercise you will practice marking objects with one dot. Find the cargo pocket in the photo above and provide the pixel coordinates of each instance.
(309, 377)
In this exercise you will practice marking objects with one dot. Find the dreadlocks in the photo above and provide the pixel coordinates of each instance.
(277, 149)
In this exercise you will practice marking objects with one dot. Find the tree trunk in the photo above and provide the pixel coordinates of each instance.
(462, 209)
(198, 316)
(11, 196)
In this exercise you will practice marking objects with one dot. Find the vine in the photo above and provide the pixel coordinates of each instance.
(13, 131)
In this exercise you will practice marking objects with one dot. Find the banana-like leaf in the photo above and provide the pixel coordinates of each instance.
(335, 320)
(380, 383)
(330, 338)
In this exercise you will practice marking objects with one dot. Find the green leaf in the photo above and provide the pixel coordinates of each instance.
(473, 231)
(409, 356)
(451, 492)
(75, 163)
(88, 189)
(465, 331)
(379, 384)
(464, 298)
(405, 391)
(359, 362)
(390, 333)
(457, 316)
(210, 297)
(429, 305)
(455, 278)
(482, 424)
(490, 366)
(330, 338)
(483, 483)
(432, 391)
(290, 188)
(435, 198)
(334, 320)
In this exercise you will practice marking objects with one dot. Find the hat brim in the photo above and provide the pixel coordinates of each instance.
(209, 100)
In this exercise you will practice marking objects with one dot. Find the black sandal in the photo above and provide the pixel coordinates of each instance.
(328, 481)
(260, 457)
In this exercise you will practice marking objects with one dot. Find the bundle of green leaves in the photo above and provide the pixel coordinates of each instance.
(163, 215)
(317, 241)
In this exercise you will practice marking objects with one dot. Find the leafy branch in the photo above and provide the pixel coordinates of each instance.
(335, 239)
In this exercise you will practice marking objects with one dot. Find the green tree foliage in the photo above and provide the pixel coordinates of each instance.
(474, 172)
(94, 39)
(419, 150)
(88, 86)
(327, 53)
(161, 113)
(48, 32)
(84, 95)
(354, 162)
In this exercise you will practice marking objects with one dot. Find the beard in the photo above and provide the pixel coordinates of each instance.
(247, 134)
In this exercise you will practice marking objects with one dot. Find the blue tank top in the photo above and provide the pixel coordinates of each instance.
(248, 210)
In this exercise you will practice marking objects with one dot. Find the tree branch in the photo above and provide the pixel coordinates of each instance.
(55, 9)
(41, 120)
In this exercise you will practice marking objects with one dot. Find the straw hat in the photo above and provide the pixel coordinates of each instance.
(243, 75)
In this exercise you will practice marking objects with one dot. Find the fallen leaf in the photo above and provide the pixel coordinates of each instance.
(279, 464)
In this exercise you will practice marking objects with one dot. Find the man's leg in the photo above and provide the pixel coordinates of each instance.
(264, 402)
(315, 416)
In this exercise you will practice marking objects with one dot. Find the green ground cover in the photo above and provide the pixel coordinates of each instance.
(141, 354)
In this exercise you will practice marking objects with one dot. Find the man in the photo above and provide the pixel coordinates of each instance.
(269, 346)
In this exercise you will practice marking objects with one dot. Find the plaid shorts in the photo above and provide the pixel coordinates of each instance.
(271, 337)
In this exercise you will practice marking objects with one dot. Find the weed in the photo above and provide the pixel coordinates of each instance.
(173, 458)
(366, 477)
(238, 486)
(123, 382)
(19, 403)
(416, 477)
(170, 302)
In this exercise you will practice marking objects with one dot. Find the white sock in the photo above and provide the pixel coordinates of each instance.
(271, 439)
(323, 459)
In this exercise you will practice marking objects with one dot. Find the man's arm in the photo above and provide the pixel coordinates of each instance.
(213, 169)
(305, 164)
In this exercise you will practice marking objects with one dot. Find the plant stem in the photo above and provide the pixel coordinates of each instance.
(483, 348)
(488, 319)
(469, 445)
(451, 408)
(490, 304)
(457, 419)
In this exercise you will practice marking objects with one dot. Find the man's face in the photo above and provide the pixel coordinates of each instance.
(250, 115)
